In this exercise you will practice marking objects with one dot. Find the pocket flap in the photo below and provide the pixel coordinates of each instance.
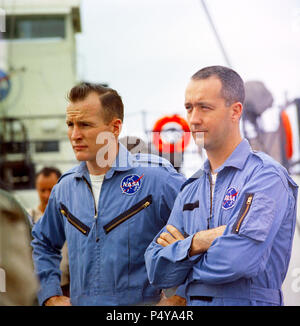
(83, 228)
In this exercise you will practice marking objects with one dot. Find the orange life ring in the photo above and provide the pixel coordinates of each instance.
(288, 134)
(171, 147)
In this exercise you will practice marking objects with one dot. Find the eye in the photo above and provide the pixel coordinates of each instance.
(84, 124)
(69, 123)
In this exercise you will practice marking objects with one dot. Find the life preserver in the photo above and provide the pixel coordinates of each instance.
(171, 147)
(287, 128)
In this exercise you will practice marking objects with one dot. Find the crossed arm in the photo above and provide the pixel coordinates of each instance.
(201, 240)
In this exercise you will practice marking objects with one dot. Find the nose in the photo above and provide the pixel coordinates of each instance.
(46, 195)
(76, 133)
(195, 117)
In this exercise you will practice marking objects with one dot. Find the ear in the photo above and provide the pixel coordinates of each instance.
(116, 125)
(236, 111)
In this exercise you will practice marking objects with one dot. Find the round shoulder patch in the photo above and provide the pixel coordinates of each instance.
(131, 184)
(229, 198)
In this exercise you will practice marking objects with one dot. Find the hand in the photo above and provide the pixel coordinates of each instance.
(174, 300)
(58, 300)
(166, 238)
(202, 240)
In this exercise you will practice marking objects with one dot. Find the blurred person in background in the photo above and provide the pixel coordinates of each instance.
(45, 180)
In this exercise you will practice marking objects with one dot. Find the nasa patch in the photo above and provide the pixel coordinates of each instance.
(131, 184)
(229, 198)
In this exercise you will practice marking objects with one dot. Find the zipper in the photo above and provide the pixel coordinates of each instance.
(128, 214)
(95, 208)
(74, 221)
(91, 190)
(210, 210)
(245, 211)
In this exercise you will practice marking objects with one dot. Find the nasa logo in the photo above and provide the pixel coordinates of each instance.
(131, 184)
(229, 198)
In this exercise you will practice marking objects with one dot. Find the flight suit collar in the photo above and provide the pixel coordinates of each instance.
(237, 159)
(123, 162)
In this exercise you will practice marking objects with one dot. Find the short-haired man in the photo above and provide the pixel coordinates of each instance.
(45, 180)
(108, 209)
(229, 236)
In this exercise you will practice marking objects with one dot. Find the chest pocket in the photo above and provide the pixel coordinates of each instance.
(83, 228)
(256, 216)
(144, 203)
(192, 218)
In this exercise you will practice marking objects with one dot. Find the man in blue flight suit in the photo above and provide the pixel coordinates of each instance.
(229, 237)
(108, 208)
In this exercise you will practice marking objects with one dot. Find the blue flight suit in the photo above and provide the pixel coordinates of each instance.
(106, 244)
(256, 199)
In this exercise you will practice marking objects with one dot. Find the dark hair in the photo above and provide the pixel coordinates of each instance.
(232, 84)
(110, 100)
(47, 170)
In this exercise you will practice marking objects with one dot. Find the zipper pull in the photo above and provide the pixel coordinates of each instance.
(249, 200)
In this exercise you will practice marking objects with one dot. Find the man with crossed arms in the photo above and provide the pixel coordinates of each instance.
(229, 237)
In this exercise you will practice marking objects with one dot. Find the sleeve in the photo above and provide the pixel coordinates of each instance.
(244, 248)
(18, 283)
(169, 266)
(48, 239)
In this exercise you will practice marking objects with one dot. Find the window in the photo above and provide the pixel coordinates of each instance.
(46, 146)
(37, 26)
